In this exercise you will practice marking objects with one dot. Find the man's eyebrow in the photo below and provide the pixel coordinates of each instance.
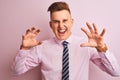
(55, 20)
(65, 19)
(59, 20)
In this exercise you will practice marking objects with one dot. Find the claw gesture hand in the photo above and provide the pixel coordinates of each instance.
(94, 38)
(29, 39)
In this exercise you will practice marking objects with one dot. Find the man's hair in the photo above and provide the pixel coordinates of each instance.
(58, 6)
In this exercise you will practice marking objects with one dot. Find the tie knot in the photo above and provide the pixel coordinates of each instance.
(65, 43)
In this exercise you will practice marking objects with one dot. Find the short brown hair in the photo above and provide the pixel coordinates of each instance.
(57, 6)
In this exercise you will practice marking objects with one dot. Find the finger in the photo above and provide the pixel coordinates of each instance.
(95, 28)
(86, 32)
(39, 42)
(22, 37)
(85, 45)
(33, 28)
(30, 30)
(103, 32)
(89, 27)
(37, 31)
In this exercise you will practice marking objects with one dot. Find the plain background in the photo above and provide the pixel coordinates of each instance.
(18, 15)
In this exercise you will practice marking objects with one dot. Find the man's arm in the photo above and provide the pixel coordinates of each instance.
(107, 62)
(27, 56)
(103, 59)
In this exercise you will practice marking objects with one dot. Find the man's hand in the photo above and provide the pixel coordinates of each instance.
(94, 38)
(29, 39)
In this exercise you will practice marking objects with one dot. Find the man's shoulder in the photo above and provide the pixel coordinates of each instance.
(48, 41)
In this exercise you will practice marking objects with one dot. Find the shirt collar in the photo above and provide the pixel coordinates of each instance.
(69, 40)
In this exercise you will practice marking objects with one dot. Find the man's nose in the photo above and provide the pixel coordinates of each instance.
(61, 24)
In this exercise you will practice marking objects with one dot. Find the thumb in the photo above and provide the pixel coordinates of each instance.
(23, 37)
(84, 45)
(39, 43)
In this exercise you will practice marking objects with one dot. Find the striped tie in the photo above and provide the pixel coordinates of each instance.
(65, 63)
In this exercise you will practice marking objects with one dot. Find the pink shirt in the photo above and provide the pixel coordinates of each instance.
(49, 57)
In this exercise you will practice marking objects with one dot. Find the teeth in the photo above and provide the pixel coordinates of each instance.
(61, 30)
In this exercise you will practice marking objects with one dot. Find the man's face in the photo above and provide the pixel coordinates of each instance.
(61, 23)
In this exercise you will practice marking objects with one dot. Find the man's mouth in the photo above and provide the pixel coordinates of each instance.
(62, 31)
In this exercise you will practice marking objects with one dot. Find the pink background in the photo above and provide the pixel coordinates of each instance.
(18, 15)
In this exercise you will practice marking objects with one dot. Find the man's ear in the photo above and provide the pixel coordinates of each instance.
(72, 21)
(50, 24)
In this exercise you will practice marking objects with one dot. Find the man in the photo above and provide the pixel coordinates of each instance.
(65, 56)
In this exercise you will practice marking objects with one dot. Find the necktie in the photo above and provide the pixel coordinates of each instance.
(65, 63)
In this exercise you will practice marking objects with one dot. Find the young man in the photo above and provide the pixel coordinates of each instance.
(65, 56)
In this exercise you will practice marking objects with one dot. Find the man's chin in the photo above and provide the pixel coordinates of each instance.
(61, 38)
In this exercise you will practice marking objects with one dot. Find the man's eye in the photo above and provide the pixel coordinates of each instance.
(55, 21)
(65, 21)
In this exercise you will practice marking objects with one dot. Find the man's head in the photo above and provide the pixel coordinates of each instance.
(58, 6)
(61, 20)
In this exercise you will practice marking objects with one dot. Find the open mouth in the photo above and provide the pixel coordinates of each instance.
(62, 31)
